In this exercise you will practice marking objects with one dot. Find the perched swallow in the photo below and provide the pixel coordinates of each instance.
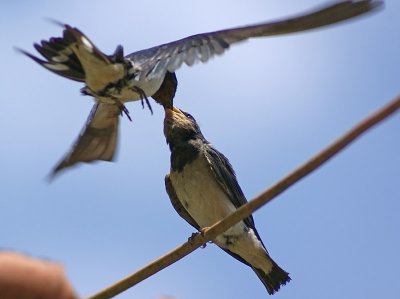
(203, 189)
(116, 79)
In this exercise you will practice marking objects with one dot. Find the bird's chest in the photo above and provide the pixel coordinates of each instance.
(127, 89)
(109, 86)
(200, 193)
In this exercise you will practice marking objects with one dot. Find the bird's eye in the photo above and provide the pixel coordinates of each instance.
(188, 115)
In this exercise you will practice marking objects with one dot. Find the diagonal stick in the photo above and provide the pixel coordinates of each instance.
(244, 211)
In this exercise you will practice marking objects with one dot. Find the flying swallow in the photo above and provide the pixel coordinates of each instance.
(116, 79)
(203, 189)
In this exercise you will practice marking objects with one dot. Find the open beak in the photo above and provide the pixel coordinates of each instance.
(174, 113)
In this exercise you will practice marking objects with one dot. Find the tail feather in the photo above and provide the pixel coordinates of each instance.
(60, 57)
(274, 279)
(58, 52)
(73, 35)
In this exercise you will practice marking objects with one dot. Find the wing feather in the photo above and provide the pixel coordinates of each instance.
(226, 177)
(202, 47)
(98, 139)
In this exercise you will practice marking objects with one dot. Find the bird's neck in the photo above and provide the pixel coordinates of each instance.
(183, 154)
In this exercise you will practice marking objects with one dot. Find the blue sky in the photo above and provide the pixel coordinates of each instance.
(268, 105)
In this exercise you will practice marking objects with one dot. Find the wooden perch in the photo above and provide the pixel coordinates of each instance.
(247, 209)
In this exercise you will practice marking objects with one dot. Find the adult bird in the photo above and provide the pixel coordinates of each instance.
(116, 79)
(203, 189)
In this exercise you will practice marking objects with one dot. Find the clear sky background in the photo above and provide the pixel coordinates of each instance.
(268, 105)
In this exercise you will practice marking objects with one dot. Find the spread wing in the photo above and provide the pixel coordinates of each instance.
(154, 62)
(179, 208)
(97, 140)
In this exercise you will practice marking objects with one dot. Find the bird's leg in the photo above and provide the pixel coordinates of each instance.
(143, 97)
(191, 238)
(125, 111)
(201, 232)
(87, 91)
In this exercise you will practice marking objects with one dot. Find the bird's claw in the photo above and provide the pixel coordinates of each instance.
(193, 236)
(143, 97)
(125, 111)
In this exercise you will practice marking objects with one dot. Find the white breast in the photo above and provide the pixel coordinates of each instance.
(149, 87)
(207, 203)
(200, 193)
(130, 92)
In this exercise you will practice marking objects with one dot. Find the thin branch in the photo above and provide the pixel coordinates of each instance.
(247, 209)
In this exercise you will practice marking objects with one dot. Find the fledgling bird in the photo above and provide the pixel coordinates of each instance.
(203, 189)
(116, 79)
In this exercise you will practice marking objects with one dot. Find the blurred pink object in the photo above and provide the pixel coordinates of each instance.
(28, 278)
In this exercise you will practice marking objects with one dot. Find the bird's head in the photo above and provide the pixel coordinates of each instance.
(180, 127)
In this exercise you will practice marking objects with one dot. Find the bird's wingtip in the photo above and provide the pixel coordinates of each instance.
(33, 57)
(55, 172)
(55, 22)
(376, 4)
(21, 51)
(50, 177)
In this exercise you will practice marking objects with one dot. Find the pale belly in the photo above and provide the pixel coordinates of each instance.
(200, 194)
(132, 91)
(101, 76)
(149, 87)
(207, 203)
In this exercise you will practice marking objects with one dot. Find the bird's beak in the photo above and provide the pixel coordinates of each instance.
(173, 117)
(177, 110)
(174, 113)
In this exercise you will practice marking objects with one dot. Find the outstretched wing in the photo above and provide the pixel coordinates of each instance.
(154, 62)
(97, 140)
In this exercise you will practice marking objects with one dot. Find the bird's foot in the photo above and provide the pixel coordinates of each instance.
(148, 104)
(125, 111)
(143, 97)
(202, 231)
(191, 238)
